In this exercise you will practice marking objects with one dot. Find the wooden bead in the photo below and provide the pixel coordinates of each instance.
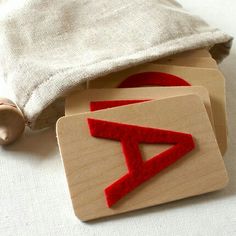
(12, 123)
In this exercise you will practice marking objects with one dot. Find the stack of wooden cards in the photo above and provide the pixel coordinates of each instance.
(145, 136)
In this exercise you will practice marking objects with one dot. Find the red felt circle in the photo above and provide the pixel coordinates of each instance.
(152, 79)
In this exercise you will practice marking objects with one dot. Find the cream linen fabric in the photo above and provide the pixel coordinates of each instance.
(47, 47)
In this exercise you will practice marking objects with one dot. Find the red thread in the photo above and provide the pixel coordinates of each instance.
(99, 105)
(139, 171)
(152, 79)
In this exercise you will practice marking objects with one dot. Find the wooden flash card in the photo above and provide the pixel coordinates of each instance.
(130, 157)
(169, 75)
(202, 52)
(81, 101)
(194, 58)
(191, 62)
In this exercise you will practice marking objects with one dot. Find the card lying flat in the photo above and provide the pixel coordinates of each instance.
(201, 62)
(196, 58)
(211, 79)
(93, 163)
(203, 52)
(80, 101)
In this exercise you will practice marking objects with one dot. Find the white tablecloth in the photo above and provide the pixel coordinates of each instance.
(34, 198)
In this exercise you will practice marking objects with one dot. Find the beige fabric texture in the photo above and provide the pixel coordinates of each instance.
(48, 47)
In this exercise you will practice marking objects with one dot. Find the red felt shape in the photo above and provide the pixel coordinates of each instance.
(99, 105)
(139, 171)
(152, 79)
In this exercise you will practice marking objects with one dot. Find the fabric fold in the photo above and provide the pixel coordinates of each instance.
(49, 47)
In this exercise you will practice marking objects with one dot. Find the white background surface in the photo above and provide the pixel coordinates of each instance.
(34, 198)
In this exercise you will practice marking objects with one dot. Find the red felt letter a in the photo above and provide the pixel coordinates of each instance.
(139, 171)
